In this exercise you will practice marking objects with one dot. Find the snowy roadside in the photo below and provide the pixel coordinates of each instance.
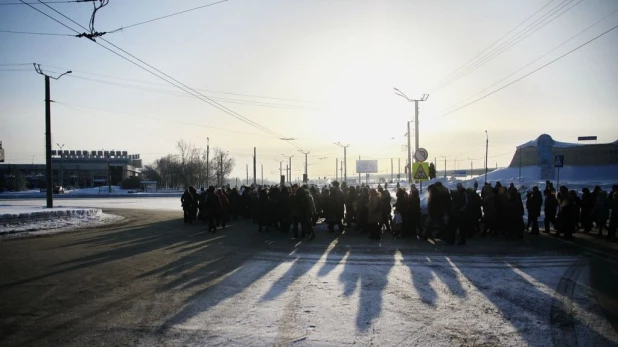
(21, 221)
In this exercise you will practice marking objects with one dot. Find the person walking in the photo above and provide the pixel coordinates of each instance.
(533, 205)
(337, 208)
(551, 204)
(601, 211)
(613, 219)
(586, 210)
(263, 207)
(375, 212)
(566, 219)
(186, 201)
(224, 211)
(213, 206)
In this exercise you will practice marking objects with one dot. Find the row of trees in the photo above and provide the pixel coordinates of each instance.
(191, 166)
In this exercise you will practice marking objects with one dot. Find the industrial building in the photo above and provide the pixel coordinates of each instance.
(79, 168)
(542, 152)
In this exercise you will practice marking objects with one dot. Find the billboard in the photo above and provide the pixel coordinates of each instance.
(366, 166)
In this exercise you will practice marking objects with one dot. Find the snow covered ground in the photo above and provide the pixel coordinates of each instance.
(94, 192)
(164, 203)
(345, 297)
(23, 220)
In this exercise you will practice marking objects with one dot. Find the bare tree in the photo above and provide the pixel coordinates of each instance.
(188, 167)
(221, 159)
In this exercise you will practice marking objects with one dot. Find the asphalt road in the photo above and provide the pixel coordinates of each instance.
(155, 281)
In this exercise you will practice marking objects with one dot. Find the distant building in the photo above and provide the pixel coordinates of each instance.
(81, 168)
(542, 151)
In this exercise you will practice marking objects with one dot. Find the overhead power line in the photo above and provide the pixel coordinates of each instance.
(542, 56)
(32, 33)
(77, 108)
(200, 89)
(510, 43)
(16, 64)
(530, 29)
(166, 16)
(45, 2)
(159, 74)
(490, 46)
(530, 73)
(226, 100)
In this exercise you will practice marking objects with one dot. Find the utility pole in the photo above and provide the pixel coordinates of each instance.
(207, 162)
(416, 131)
(306, 173)
(336, 169)
(288, 172)
(391, 170)
(109, 179)
(262, 173)
(222, 177)
(280, 169)
(287, 167)
(61, 164)
(471, 168)
(247, 174)
(444, 166)
(48, 142)
(290, 168)
(399, 169)
(254, 167)
(344, 165)
(409, 157)
(359, 178)
(486, 153)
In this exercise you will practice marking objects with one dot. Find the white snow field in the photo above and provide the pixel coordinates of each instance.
(94, 192)
(22, 220)
(163, 203)
(342, 297)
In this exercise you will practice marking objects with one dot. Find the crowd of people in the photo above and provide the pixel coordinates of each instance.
(451, 215)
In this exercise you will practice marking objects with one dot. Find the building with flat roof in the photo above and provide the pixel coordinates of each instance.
(79, 168)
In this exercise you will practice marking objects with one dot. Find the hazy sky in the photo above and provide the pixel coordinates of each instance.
(335, 62)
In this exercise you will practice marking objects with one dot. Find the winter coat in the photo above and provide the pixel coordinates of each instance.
(614, 206)
(551, 204)
(305, 205)
(283, 206)
(213, 204)
(601, 208)
(336, 203)
(386, 202)
(187, 201)
(375, 210)
(534, 204)
(489, 207)
(225, 203)
(363, 208)
(566, 215)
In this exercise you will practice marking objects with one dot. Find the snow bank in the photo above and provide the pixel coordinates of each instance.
(21, 212)
(19, 221)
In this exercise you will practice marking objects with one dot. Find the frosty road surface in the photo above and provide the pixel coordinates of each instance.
(155, 281)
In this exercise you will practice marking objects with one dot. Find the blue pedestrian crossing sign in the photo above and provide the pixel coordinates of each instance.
(559, 161)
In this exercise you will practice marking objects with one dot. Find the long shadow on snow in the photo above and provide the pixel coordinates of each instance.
(539, 306)
(228, 276)
(123, 244)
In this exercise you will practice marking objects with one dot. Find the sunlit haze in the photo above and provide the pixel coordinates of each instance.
(318, 71)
